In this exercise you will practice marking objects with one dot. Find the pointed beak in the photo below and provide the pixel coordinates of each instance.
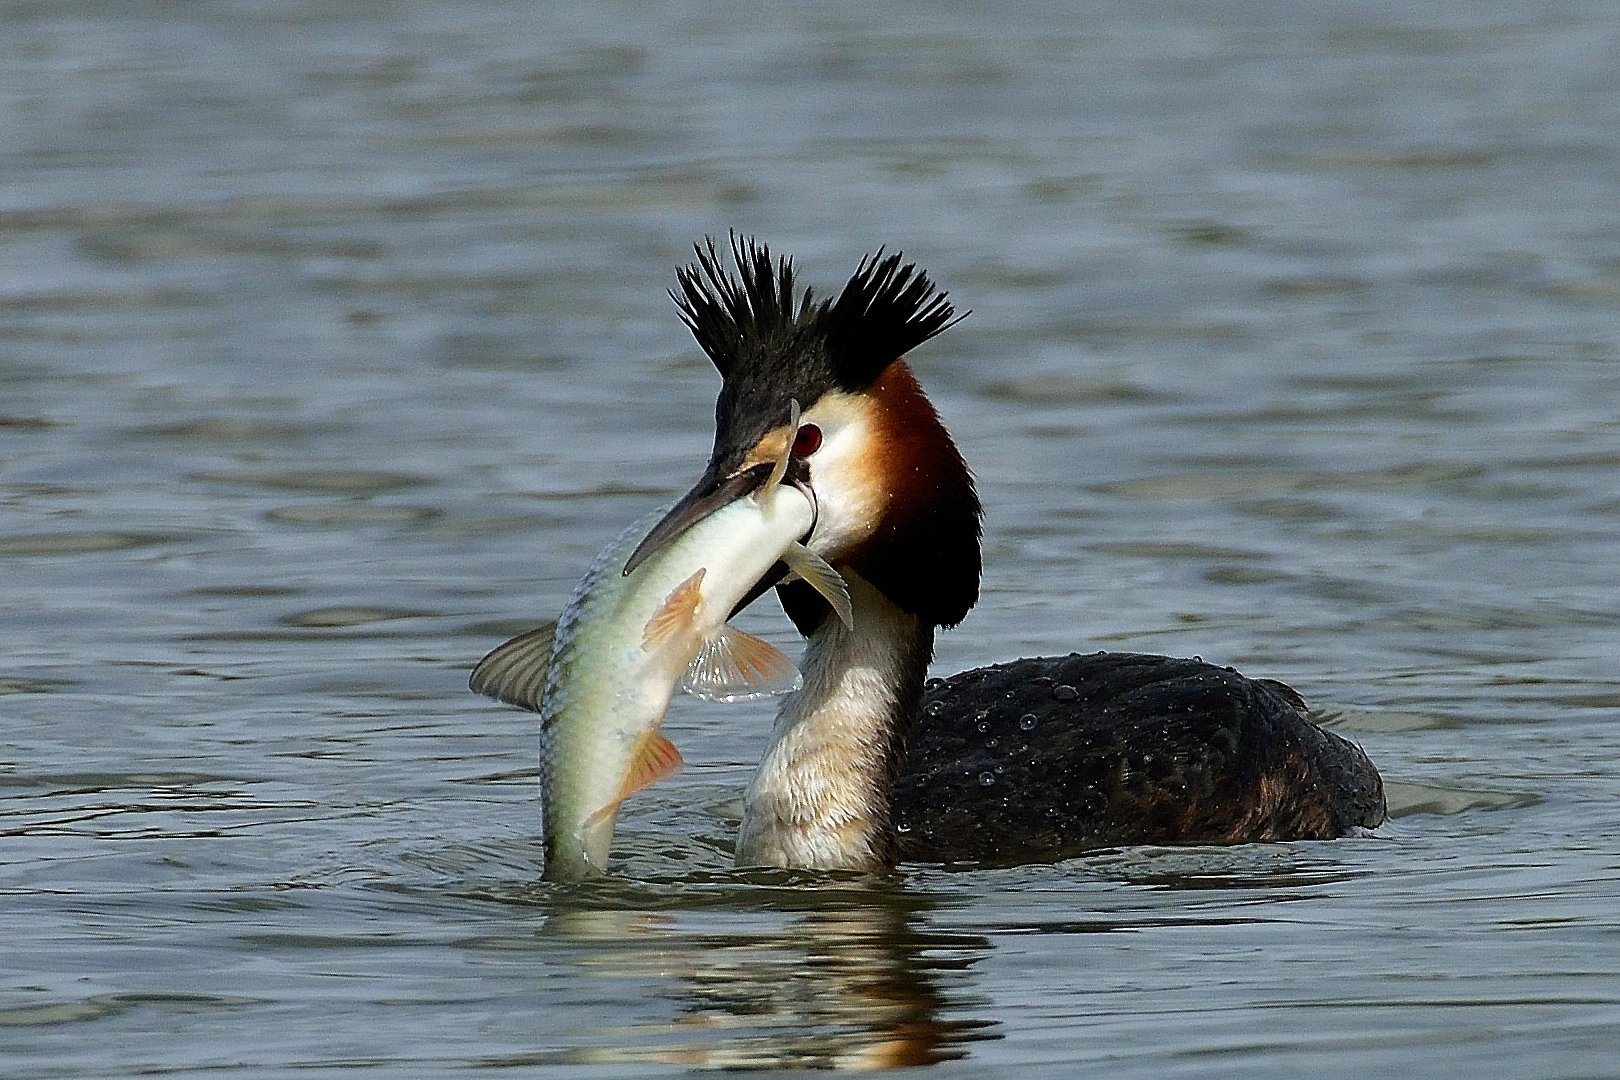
(710, 494)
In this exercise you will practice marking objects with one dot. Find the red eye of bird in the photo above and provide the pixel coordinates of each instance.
(807, 441)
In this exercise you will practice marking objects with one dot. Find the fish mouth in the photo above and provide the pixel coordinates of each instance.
(709, 494)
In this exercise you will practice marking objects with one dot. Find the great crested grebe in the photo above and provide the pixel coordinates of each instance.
(1033, 760)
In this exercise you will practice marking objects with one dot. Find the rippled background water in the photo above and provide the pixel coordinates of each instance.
(333, 343)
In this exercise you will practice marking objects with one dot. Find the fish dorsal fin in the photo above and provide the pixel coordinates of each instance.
(515, 672)
(780, 469)
(740, 667)
(675, 614)
(656, 758)
(819, 574)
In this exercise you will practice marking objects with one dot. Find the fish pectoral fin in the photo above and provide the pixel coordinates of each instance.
(675, 614)
(515, 672)
(740, 667)
(780, 469)
(656, 757)
(819, 574)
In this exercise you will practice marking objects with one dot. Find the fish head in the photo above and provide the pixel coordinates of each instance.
(720, 486)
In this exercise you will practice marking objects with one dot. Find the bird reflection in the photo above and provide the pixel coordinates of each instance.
(857, 987)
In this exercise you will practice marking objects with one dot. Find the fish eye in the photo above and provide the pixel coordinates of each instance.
(807, 441)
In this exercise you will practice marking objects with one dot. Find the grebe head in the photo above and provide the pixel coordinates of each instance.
(895, 502)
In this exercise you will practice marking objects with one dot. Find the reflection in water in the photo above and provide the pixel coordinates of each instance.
(1297, 344)
(860, 987)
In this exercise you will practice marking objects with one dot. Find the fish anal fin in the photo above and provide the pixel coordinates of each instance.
(740, 667)
(515, 671)
(675, 614)
(819, 574)
(656, 758)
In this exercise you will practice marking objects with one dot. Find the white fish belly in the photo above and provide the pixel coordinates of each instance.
(605, 690)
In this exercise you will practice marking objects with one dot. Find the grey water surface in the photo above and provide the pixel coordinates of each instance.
(334, 342)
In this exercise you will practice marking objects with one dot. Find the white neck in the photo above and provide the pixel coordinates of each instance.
(821, 796)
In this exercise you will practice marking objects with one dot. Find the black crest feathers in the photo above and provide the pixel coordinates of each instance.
(735, 321)
(887, 309)
(752, 326)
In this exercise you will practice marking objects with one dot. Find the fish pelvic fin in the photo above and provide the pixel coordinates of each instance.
(676, 613)
(740, 667)
(819, 574)
(515, 672)
(655, 758)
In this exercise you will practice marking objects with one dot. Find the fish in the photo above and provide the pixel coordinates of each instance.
(631, 635)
